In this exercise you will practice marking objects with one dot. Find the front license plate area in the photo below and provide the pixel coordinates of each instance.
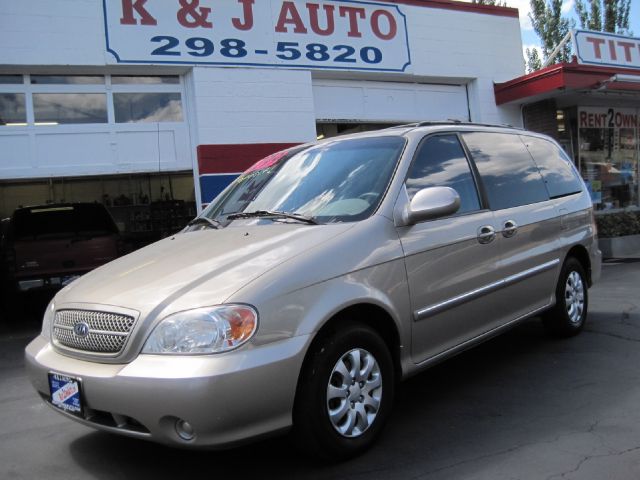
(66, 393)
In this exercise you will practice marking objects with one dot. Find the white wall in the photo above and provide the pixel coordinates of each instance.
(482, 48)
(51, 32)
(253, 105)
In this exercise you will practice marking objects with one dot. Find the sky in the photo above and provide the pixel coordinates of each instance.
(530, 38)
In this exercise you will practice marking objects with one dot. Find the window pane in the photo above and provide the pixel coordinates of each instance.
(67, 79)
(10, 79)
(63, 108)
(147, 107)
(555, 168)
(508, 172)
(608, 143)
(441, 162)
(12, 109)
(144, 80)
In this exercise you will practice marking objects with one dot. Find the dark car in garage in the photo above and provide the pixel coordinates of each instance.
(48, 246)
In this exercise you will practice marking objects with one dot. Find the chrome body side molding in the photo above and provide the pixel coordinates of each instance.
(431, 310)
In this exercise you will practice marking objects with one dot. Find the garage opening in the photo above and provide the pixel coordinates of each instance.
(333, 129)
(145, 207)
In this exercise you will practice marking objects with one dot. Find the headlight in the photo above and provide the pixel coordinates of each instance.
(47, 320)
(203, 330)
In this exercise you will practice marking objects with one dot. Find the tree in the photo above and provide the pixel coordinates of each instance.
(497, 3)
(533, 62)
(614, 20)
(552, 28)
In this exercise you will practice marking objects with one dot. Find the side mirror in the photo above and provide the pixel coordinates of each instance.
(430, 203)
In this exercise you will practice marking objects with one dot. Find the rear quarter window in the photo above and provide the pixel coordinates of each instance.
(508, 172)
(559, 175)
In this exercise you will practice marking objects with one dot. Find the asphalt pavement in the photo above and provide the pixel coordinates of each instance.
(521, 406)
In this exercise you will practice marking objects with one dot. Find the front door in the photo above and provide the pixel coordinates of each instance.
(451, 262)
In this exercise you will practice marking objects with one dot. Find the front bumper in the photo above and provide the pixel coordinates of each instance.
(226, 398)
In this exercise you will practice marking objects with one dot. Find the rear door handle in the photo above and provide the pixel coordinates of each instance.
(486, 234)
(509, 229)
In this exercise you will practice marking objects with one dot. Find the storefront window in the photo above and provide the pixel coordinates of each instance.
(147, 107)
(608, 149)
(12, 109)
(65, 108)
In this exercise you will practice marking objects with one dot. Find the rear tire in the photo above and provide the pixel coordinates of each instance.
(569, 314)
(345, 393)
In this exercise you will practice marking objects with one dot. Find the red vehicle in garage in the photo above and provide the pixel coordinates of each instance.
(48, 246)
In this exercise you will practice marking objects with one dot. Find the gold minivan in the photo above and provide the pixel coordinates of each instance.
(320, 278)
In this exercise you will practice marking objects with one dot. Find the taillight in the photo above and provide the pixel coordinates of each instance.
(594, 224)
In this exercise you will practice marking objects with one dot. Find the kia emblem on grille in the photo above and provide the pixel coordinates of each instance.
(81, 329)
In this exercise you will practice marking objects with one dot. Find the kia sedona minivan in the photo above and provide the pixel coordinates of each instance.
(319, 279)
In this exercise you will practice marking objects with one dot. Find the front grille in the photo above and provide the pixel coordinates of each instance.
(107, 332)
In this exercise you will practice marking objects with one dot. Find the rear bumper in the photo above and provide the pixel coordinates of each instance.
(226, 398)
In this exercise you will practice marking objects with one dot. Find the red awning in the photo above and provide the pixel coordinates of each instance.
(564, 78)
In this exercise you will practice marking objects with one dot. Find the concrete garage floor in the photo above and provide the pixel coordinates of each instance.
(522, 406)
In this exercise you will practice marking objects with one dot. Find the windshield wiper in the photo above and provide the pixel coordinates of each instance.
(273, 214)
(205, 221)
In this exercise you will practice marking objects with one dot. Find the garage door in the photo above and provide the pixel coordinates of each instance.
(388, 102)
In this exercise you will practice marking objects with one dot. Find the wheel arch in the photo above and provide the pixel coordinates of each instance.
(370, 314)
(580, 253)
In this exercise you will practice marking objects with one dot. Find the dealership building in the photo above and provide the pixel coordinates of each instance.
(153, 106)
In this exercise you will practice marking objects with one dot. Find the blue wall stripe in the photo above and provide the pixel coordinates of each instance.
(212, 185)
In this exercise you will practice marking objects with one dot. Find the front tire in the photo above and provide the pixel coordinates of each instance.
(345, 393)
(569, 314)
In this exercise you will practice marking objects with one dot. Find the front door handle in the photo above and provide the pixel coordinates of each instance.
(509, 229)
(486, 234)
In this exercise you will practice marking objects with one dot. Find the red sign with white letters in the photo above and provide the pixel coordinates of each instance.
(332, 34)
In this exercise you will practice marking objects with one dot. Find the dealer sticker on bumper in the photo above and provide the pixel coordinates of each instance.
(65, 393)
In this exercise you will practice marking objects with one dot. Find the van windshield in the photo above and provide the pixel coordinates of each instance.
(339, 181)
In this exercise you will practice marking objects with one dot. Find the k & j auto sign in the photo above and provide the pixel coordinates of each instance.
(347, 34)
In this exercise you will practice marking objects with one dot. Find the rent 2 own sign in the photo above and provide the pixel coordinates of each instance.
(347, 35)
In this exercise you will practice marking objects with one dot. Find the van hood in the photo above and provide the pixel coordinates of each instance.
(206, 266)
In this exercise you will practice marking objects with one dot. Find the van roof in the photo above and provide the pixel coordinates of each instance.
(439, 123)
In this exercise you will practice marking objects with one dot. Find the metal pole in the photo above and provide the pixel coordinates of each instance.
(556, 50)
